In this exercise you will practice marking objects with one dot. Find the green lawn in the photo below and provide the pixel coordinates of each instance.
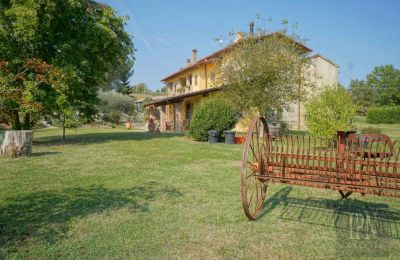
(113, 193)
(392, 130)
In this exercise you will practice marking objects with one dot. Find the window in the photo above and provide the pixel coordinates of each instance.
(196, 79)
(212, 76)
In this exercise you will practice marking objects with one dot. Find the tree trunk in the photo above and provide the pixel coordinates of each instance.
(16, 123)
(17, 143)
(63, 127)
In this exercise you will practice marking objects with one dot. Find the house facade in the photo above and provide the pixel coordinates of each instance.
(188, 86)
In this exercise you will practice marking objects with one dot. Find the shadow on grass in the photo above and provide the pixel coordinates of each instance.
(44, 154)
(45, 215)
(92, 138)
(350, 217)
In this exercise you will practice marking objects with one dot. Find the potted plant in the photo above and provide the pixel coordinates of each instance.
(128, 124)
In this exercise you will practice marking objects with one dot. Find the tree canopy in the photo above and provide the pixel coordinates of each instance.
(77, 42)
(329, 111)
(264, 72)
(381, 87)
(385, 80)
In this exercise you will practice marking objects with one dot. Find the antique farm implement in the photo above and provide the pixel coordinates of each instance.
(366, 164)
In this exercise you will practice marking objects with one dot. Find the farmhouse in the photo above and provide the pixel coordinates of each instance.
(196, 81)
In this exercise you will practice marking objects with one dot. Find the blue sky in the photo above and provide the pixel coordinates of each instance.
(356, 34)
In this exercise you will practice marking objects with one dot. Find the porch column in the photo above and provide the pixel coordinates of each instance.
(162, 118)
(177, 117)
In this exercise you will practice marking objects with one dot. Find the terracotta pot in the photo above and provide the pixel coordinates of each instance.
(239, 139)
(128, 125)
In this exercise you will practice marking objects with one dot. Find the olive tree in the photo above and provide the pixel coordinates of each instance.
(114, 105)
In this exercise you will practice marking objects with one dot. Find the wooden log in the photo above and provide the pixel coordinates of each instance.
(17, 143)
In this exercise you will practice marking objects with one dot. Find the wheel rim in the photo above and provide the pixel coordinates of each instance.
(253, 166)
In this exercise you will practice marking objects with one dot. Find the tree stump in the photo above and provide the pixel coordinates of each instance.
(17, 143)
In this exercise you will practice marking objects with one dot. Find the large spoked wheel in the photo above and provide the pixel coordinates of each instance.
(253, 167)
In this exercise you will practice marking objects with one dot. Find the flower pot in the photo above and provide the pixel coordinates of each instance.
(239, 140)
(128, 125)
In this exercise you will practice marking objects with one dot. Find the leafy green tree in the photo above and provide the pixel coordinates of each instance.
(330, 111)
(385, 80)
(141, 88)
(80, 39)
(264, 72)
(363, 95)
(162, 90)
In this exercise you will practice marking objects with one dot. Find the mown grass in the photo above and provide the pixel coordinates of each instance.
(113, 193)
(392, 130)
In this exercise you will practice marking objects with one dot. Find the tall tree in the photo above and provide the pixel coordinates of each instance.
(263, 72)
(81, 40)
(385, 80)
(362, 94)
(141, 88)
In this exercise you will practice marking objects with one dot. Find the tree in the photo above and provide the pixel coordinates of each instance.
(330, 111)
(362, 94)
(141, 88)
(385, 80)
(81, 40)
(119, 79)
(114, 105)
(264, 72)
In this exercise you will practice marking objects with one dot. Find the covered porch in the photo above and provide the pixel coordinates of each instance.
(174, 113)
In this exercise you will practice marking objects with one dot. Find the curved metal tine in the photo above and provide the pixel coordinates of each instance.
(386, 159)
(291, 151)
(361, 159)
(279, 153)
(307, 165)
(286, 161)
(396, 155)
(372, 160)
(319, 153)
(313, 154)
(297, 151)
(331, 155)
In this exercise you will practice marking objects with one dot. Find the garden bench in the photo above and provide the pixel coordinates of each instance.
(366, 164)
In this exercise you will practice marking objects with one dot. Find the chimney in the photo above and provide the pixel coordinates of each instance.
(187, 62)
(194, 55)
(251, 29)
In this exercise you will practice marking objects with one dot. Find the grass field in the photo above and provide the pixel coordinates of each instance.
(392, 130)
(113, 193)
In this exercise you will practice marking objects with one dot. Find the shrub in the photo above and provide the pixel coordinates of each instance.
(114, 105)
(330, 111)
(214, 113)
(383, 115)
(371, 130)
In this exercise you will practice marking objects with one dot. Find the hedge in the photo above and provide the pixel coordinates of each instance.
(383, 115)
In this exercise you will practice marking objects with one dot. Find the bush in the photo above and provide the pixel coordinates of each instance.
(213, 113)
(371, 130)
(383, 115)
(115, 105)
(330, 111)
